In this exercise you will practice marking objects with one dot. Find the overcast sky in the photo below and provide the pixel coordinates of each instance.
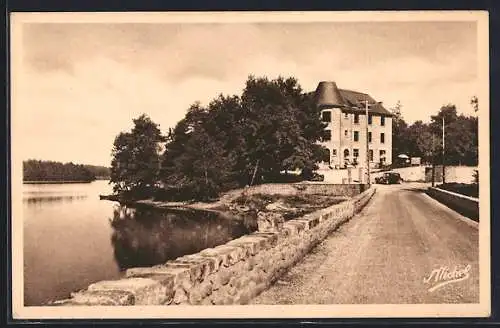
(84, 83)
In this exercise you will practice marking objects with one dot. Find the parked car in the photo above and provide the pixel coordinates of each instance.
(389, 178)
(317, 177)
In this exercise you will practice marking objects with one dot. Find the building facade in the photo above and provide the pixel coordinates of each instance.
(345, 136)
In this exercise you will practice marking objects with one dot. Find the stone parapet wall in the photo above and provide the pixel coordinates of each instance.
(228, 274)
(467, 206)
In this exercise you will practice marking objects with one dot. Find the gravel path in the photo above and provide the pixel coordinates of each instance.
(383, 254)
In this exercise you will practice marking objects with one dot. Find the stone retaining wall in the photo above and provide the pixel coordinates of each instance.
(232, 273)
(467, 206)
(347, 190)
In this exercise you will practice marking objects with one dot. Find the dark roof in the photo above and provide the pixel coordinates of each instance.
(328, 95)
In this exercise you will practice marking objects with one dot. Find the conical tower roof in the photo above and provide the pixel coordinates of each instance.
(328, 95)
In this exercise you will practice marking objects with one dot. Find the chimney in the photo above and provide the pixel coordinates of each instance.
(328, 95)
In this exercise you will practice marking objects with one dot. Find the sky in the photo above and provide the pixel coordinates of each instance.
(82, 83)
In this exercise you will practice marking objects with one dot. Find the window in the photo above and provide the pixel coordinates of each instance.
(345, 133)
(334, 152)
(326, 156)
(326, 116)
(356, 136)
(382, 138)
(355, 152)
(369, 137)
(327, 135)
(371, 155)
(346, 115)
(382, 120)
(382, 156)
(370, 119)
(356, 118)
(346, 153)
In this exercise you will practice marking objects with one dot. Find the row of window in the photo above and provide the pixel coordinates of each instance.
(326, 116)
(355, 153)
(327, 136)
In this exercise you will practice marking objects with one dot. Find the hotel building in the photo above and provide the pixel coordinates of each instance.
(345, 137)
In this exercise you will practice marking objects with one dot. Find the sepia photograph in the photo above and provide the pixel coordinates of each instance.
(250, 164)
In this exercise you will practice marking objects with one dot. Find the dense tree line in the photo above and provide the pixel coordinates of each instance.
(425, 139)
(100, 172)
(234, 141)
(136, 158)
(37, 170)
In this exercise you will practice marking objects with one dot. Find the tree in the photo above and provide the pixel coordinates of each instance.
(419, 139)
(136, 159)
(283, 127)
(196, 164)
(396, 111)
(461, 136)
(36, 170)
(401, 143)
(475, 103)
(237, 141)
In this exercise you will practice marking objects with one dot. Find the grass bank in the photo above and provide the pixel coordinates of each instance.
(466, 189)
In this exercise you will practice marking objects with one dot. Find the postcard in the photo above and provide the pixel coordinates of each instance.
(250, 164)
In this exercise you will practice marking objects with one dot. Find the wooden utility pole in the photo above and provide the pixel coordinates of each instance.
(433, 161)
(444, 172)
(367, 145)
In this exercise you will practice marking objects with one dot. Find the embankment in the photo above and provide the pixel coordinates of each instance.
(287, 189)
(232, 273)
(467, 206)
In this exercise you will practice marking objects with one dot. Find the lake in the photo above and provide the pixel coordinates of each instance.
(72, 239)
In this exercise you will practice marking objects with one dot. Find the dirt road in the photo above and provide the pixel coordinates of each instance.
(383, 255)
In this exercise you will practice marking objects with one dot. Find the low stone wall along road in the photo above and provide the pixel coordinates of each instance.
(404, 247)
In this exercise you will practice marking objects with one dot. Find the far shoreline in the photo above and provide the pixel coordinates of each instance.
(61, 182)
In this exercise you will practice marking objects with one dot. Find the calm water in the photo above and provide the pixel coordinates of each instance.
(72, 239)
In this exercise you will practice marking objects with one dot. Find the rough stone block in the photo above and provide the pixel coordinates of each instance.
(298, 224)
(103, 297)
(196, 270)
(257, 275)
(313, 222)
(232, 291)
(221, 253)
(180, 296)
(239, 282)
(269, 222)
(291, 229)
(232, 253)
(261, 287)
(243, 297)
(181, 275)
(220, 279)
(217, 299)
(195, 296)
(229, 300)
(247, 266)
(64, 302)
(206, 288)
(251, 262)
(146, 291)
(250, 242)
(283, 235)
(207, 264)
(252, 287)
(267, 240)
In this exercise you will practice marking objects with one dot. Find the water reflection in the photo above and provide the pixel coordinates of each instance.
(52, 199)
(144, 236)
